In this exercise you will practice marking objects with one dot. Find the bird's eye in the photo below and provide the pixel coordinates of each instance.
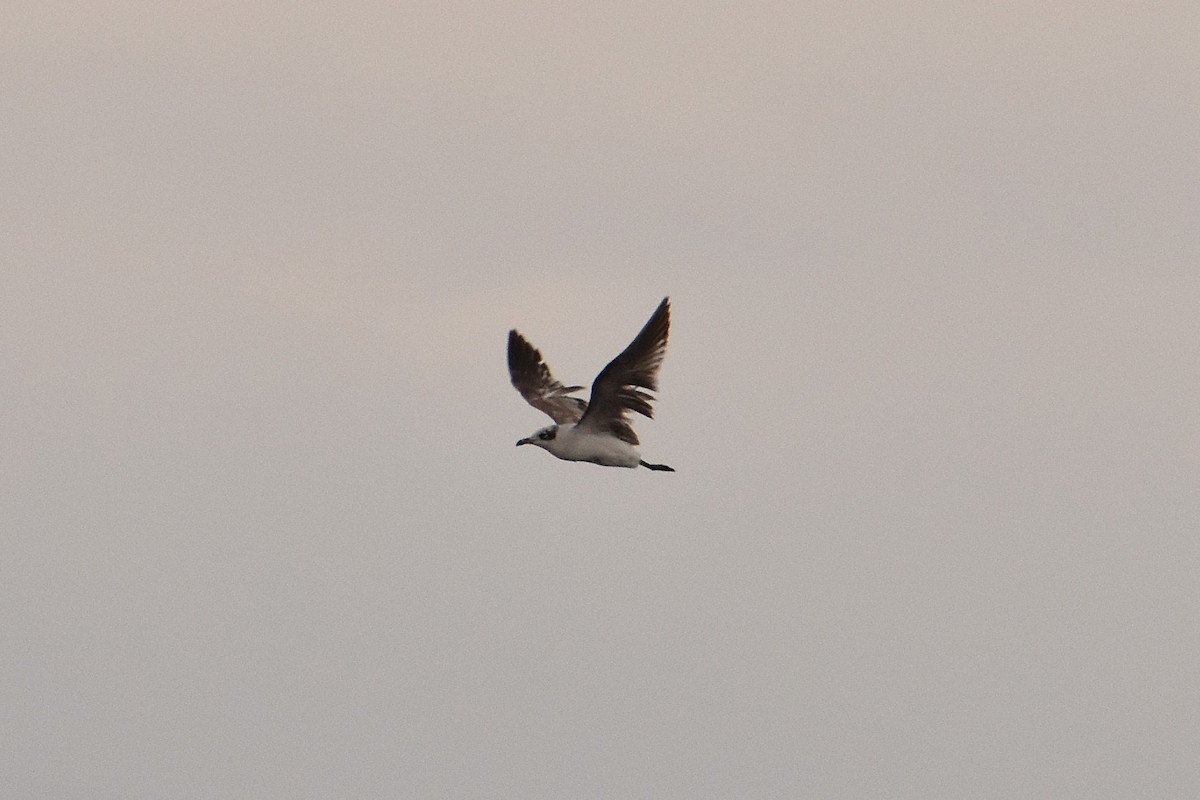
(546, 436)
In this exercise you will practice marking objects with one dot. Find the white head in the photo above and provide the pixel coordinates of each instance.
(542, 438)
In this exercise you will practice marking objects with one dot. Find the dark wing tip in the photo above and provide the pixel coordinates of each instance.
(515, 340)
(656, 328)
(521, 354)
(664, 312)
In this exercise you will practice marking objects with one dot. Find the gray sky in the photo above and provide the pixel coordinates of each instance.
(931, 396)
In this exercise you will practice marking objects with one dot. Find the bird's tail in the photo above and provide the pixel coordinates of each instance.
(658, 467)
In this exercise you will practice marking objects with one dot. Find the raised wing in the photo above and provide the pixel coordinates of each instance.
(617, 390)
(533, 380)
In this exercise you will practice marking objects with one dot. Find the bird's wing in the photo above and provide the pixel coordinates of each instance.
(533, 380)
(617, 390)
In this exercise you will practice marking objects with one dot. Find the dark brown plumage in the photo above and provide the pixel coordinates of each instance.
(531, 377)
(618, 388)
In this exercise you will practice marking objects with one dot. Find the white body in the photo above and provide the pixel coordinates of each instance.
(570, 444)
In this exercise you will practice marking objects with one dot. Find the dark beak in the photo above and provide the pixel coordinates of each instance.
(522, 441)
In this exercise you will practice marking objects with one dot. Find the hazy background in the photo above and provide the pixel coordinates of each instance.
(931, 394)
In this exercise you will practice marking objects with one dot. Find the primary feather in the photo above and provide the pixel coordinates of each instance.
(617, 390)
(531, 377)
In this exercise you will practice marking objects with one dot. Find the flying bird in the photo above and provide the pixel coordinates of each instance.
(598, 430)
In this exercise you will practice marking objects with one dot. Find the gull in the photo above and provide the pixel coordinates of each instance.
(597, 430)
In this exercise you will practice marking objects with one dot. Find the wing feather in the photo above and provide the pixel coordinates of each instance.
(533, 380)
(617, 390)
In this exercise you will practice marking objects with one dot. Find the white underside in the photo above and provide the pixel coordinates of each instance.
(604, 449)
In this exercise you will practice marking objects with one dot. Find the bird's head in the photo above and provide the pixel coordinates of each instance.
(542, 438)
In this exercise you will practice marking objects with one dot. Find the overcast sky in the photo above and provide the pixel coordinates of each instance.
(931, 394)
